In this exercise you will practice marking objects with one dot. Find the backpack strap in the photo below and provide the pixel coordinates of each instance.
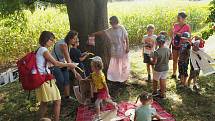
(56, 53)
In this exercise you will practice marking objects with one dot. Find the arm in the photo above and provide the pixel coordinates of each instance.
(127, 44)
(82, 58)
(48, 57)
(99, 33)
(65, 51)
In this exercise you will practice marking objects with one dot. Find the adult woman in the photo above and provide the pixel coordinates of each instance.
(48, 91)
(61, 53)
(180, 27)
(119, 63)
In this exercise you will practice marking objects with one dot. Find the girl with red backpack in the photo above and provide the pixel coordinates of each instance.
(48, 91)
(180, 27)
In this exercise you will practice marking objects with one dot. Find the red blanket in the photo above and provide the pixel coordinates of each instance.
(85, 113)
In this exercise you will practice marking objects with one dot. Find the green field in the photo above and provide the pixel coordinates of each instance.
(24, 28)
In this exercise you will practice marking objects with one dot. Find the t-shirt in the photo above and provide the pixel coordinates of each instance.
(149, 43)
(75, 55)
(184, 52)
(98, 80)
(162, 55)
(41, 62)
(145, 113)
(117, 37)
(57, 53)
(179, 29)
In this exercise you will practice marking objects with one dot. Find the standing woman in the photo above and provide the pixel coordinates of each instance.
(61, 53)
(119, 63)
(180, 27)
(48, 91)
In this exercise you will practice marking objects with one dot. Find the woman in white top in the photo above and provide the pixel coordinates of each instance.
(48, 91)
(118, 69)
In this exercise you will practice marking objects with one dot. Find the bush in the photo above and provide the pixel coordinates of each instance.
(19, 32)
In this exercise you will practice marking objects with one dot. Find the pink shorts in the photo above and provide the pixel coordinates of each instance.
(102, 94)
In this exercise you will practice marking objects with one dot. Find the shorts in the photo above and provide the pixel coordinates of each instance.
(160, 75)
(102, 94)
(182, 68)
(61, 75)
(146, 58)
(194, 73)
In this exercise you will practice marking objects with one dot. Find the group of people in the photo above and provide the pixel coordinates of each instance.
(65, 58)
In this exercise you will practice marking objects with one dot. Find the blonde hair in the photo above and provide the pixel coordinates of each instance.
(150, 26)
(97, 64)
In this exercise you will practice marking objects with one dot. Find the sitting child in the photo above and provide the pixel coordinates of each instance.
(78, 57)
(145, 112)
(161, 60)
(100, 86)
(184, 58)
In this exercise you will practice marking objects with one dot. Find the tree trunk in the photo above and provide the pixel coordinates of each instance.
(88, 16)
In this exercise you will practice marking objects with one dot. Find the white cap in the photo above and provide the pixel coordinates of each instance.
(96, 58)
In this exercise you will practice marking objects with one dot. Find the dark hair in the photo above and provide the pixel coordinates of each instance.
(182, 14)
(114, 19)
(70, 35)
(45, 36)
(144, 96)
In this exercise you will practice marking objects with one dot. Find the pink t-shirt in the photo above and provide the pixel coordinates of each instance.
(179, 29)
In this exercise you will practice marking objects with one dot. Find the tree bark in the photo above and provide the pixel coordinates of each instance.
(88, 16)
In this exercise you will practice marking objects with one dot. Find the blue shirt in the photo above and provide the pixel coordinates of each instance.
(144, 113)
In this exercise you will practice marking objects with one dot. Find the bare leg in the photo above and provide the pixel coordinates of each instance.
(97, 103)
(163, 87)
(155, 86)
(67, 90)
(57, 105)
(148, 68)
(175, 60)
(189, 81)
(42, 109)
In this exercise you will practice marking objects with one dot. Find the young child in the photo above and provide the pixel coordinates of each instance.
(148, 48)
(161, 60)
(198, 44)
(78, 57)
(100, 85)
(184, 57)
(145, 112)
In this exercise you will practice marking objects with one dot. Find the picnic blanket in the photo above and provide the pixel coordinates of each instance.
(124, 113)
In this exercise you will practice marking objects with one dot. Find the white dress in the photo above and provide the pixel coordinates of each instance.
(119, 66)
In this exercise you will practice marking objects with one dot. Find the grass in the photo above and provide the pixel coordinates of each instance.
(185, 105)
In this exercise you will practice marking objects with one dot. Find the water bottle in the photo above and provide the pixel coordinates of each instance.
(33, 71)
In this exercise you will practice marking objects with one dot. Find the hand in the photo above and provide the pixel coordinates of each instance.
(72, 66)
(78, 76)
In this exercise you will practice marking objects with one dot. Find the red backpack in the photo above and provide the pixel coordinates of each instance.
(29, 75)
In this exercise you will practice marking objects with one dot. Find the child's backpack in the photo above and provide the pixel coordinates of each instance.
(29, 75)
(176, 42)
